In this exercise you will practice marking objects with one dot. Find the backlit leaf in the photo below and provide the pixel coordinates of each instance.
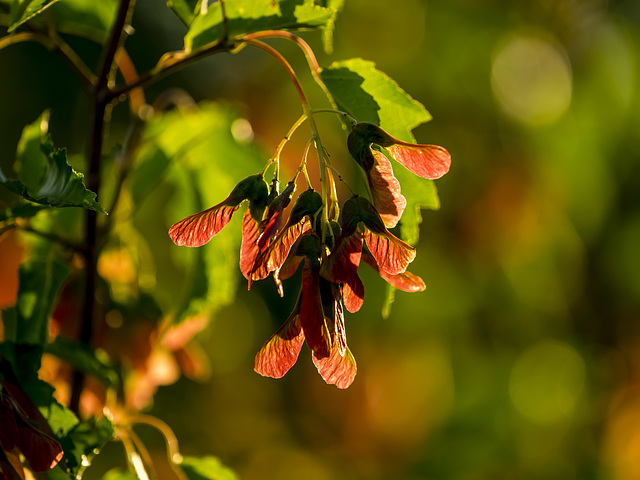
(84, 441)
(85, 18)
(249, 16)
(24, 10)
(371, 96)
(205, 468)
(186, 10)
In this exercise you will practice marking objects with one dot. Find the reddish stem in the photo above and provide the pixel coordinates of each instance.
(283, 61)
(308, 51)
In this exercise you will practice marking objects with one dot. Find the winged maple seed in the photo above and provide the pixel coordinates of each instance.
(317, 318)
(426, 161)
(271, 258)
(197, 229)
(330, 249)
(362, 225)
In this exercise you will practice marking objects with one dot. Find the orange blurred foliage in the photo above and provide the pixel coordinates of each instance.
(10, 257)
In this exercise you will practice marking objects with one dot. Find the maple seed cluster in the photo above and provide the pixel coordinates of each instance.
(329, 245)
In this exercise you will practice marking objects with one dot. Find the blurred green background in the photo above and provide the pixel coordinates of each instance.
(522, 358)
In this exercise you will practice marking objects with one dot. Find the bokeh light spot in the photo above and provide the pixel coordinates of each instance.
(242, 131)
(531, 79)
(546, 381)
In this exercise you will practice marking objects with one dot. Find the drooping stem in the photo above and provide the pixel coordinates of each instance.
(339, 175)
(276, 156)
(99, 102)
(283, 61)
(173, 451)
(145, 456)
(351, 120)
(303, 164)
(326, 179)
(306, 49)
(329, 195)
(134, 461)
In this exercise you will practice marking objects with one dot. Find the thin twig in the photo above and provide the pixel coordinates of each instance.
(169, 63)
(52, 238)
(276, 156)
(351, 120)
(59, 46)
(308, 53)
(25, 37)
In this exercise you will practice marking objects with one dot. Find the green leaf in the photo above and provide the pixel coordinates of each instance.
(206, 468)
(9, 325)
(24, 210)
(86, 18)
(40, 280)
(24, 10)
(60, 418)
(249, 16)
(186, 10)
(369, 95)
(57, 473)
(83, 358)
(190, 162)
(84, 441)
(40, 284)
(117, 474)
(44, 176)
(327, 33)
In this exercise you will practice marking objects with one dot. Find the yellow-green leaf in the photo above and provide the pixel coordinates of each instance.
(249, 16)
